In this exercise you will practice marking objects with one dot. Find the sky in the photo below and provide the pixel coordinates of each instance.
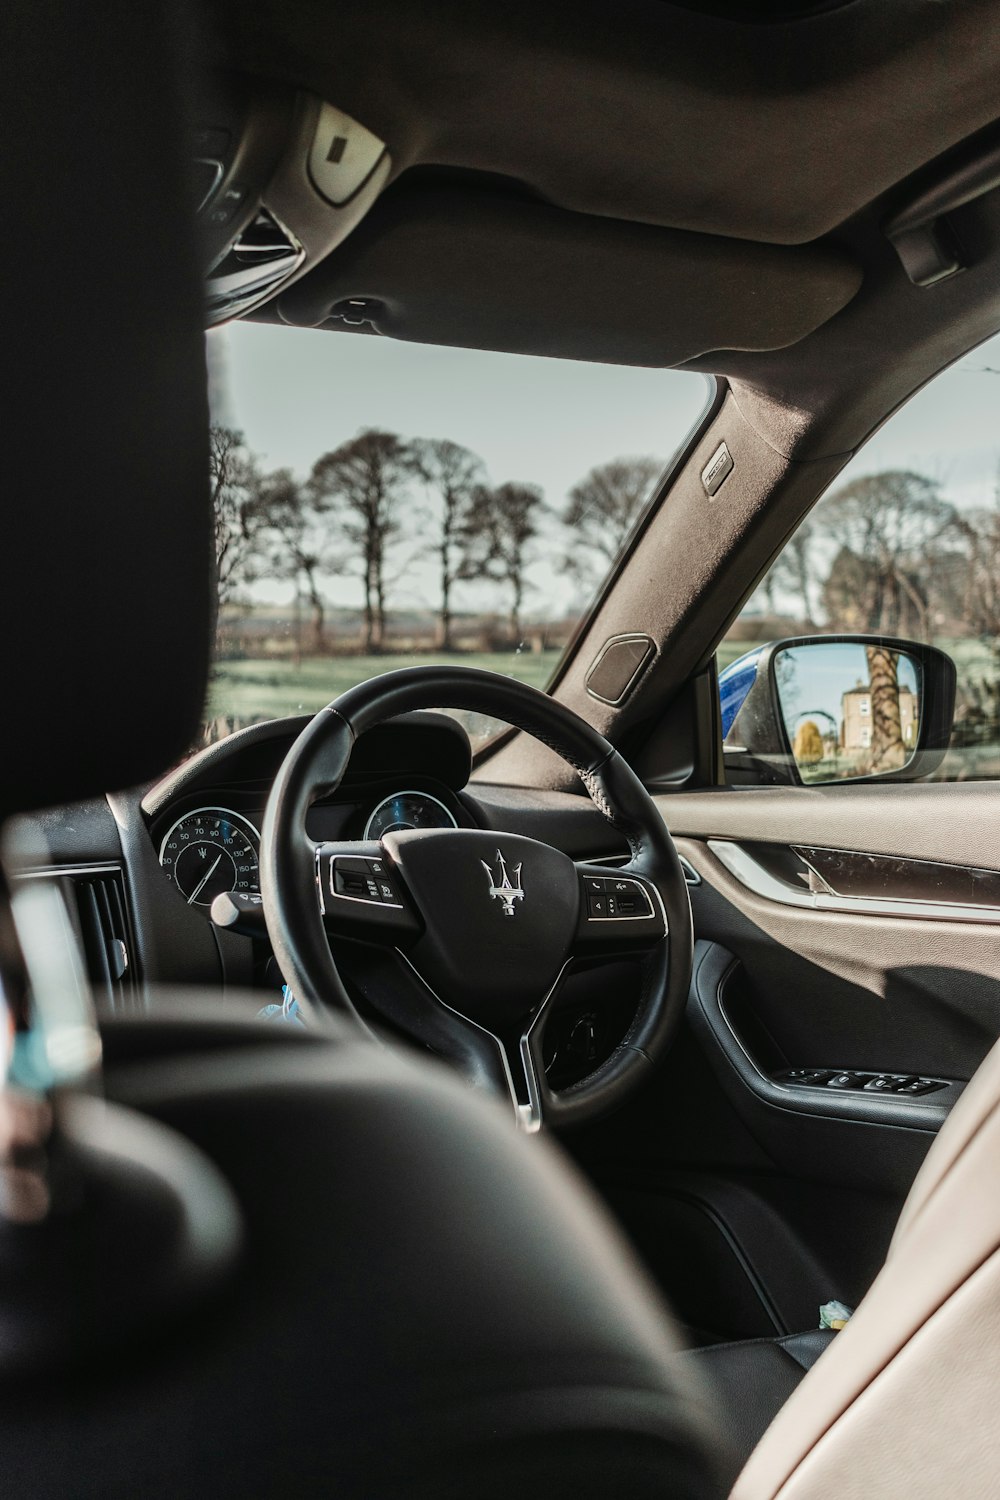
(297, 393)
(948, 431)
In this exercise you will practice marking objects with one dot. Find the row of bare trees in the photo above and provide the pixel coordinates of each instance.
(374, 505)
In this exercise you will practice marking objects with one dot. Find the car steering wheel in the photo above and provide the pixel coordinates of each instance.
(468, 933)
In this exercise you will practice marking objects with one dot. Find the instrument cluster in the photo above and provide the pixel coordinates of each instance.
(212, 851)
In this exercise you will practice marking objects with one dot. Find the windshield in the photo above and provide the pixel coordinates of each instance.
(381, 504)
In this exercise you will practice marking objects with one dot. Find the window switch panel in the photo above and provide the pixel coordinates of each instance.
(851, 1081)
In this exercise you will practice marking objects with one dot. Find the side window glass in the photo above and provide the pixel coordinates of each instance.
(872, 647)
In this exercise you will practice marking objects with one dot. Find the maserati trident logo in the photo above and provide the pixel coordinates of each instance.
(501, 886)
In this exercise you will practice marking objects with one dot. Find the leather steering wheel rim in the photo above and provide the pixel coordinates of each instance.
(314, 768)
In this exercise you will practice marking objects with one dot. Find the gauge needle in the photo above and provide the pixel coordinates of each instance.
(204, 880)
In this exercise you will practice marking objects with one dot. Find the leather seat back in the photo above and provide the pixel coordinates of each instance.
(105, 563)
(429, 1304)
(904, 1402)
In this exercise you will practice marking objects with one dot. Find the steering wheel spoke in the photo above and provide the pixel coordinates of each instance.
(620, 910)
(362, 894)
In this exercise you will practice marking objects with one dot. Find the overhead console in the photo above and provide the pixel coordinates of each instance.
(281, 177)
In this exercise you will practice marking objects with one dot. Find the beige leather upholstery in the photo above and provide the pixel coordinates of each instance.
(905, 1403)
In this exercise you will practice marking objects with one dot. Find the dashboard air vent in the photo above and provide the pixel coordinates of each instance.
(262, 256)
(98, 902)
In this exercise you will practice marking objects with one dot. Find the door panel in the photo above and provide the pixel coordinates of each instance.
(853, 1139)
(844, 967)
(753, 1204)
(836, 990)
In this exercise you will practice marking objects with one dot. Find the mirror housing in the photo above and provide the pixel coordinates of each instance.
(760, 744)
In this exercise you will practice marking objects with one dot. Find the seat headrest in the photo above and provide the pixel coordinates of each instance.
(105, 563)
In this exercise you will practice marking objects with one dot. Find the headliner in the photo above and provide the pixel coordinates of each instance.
(798, 136)
(643, 110)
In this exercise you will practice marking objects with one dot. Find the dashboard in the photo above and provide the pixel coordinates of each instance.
(140, 868)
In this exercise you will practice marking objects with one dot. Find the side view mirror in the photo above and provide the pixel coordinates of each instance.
(819, 709)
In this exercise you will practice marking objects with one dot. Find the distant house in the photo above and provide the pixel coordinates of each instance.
(856, 724)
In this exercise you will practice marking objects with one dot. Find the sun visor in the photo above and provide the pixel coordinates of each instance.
(444, 265)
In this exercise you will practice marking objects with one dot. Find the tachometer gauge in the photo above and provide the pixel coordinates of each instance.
(210, 852)
(408, 810)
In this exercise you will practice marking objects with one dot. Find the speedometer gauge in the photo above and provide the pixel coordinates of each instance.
(210, 852)
(408, 810)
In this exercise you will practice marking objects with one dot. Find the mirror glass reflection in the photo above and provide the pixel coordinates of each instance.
(849, 710)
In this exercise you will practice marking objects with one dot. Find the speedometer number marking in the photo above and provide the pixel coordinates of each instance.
(210, 852)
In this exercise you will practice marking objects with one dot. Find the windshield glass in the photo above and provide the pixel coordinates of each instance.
(380, 504)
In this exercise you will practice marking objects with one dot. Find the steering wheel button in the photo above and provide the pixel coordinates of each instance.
(594, 885)
(598, 907)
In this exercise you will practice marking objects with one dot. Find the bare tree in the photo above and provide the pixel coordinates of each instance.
(602, 509)
(303, 546)
(510, 516)
(847, 590)
(980, 531)
(461, 541)
(794, 570)
(240, 511)
(887, 527)
(365, 483)
(977, 719)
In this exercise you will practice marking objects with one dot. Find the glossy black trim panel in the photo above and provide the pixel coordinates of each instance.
(755, 877)
(852, 873)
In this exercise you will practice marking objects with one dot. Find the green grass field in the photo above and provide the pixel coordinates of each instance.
(270, 689)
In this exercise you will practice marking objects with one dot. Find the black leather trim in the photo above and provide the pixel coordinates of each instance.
(751, 1380)
(314, 766)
